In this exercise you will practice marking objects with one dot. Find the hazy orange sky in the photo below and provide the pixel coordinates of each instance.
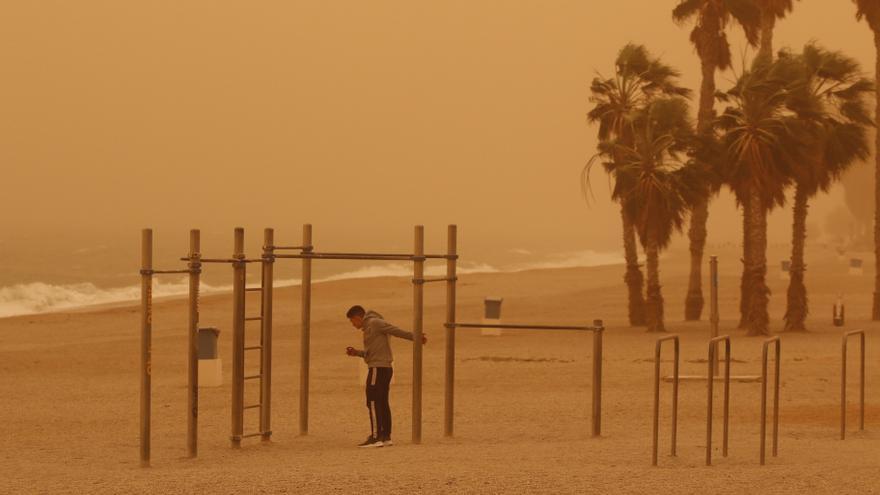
(363, 118)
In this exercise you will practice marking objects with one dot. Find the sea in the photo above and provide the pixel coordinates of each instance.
(31, 286)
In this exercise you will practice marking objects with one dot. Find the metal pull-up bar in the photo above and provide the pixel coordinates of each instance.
(597, 328)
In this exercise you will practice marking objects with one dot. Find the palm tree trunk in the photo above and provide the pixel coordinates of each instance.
(655, 298)
(796, 309)
(757, 317)
(875, 313)
(745, 281)
(693, 304)
(768, 23)
(633, 277)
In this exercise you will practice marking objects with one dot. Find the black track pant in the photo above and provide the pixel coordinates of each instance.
(378, 384)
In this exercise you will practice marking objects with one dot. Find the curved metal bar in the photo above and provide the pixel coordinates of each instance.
(657, 349)
(846, 336)
(713, 347)
(764, 360)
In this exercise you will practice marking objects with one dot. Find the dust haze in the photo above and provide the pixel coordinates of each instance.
(363, 118)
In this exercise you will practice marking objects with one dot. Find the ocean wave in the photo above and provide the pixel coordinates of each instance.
(38, 297)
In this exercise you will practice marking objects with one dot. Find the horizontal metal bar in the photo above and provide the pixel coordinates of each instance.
(522, 327)
(433, 279)
(323, 256)
(253, 318)
(253, 347)
(253, 289)
(249, 435)
(288, 247)
(164, 272)
(251, 377)
(255, 406)
(227, 260)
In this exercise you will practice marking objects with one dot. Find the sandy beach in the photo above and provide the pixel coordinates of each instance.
(70, 396)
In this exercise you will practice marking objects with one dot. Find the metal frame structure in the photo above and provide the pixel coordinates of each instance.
(846, 336)
(713, 349)
(776, 342)
(658, 347)
(239, 262)
(597, 328)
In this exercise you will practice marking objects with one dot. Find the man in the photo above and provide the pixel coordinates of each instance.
(377, 354)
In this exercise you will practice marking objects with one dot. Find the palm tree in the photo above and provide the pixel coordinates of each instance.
(656, 187)
(761, 142)
(709, 36)
(638, 78)
(869, 10)
(832, 95)
(770, 12)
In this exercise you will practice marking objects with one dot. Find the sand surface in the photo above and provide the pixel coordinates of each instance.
(69, 412)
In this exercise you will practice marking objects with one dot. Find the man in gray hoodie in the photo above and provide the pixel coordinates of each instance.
(377, 355)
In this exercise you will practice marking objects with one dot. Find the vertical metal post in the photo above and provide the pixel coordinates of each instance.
(846, 336)
(657, 350)
(714, 317)
(266, 334)
(862, 381)
(192, 424)
(776, 398)
(305, 330)
(596, 416)
(843, 389)
(418, 289)
(713, 354)
(449, 404)
(238, 299)
(764, 377)
(146, 341)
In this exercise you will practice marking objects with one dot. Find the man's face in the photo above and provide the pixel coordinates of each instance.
(357, 321)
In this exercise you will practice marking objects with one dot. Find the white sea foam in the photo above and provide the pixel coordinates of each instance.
(38, 297)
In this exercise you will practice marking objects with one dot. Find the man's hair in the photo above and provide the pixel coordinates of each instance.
(355, 311)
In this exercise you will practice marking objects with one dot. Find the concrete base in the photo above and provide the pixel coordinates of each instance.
(210, 372)
(856, 271)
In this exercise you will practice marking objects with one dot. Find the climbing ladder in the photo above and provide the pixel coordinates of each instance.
(243, 352)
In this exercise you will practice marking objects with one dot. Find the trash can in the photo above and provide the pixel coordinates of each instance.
(210, 364)
(855, 266)
(492, 315)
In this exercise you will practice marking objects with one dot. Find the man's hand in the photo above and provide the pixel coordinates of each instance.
(351, 351)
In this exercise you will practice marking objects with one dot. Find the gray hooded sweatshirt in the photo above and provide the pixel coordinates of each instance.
(377, 349)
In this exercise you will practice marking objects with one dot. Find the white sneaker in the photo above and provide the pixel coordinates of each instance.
(388, 443)
(371, 443)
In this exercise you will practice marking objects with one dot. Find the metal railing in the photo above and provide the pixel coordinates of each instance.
(846, 336)
(713, 349)
(597, 328)
(657, 348)
(764, 361)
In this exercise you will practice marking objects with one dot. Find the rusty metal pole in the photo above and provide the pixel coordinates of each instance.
(266, 334)
(146, 342)
(449, 404)
(862, 381)
(305, 331)
(764, 378)
(418, 301)
(710, 387)
(239, 278)
(656, 438)
(714, 316)
(192, 424)
(596, 416)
